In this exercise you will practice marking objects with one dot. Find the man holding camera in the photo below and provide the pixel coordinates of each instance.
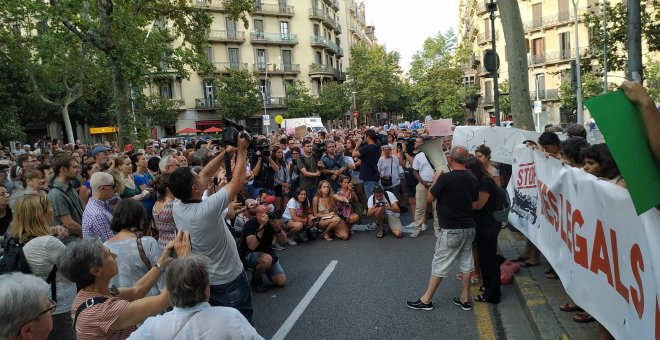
(256, 249)
(334, 165)
(309, 170)
(369, 154)
(209, 234)
(263, 169)
(385, 210)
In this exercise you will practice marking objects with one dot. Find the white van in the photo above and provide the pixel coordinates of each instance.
(313, 124)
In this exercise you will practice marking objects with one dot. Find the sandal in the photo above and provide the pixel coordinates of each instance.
(327, 237)
(583, 318)
(570, 307)
(475, 279)
(482, 289)
(381, 233)
(480, 298)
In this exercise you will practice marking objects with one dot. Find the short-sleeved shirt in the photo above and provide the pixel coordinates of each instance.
(130, 265)
(295, 205)
(455, 192)
(369, 154)
(95, 321)
(484, 216)
(96, 220)
(148, 180)
(265, 244)
(421, 164)
(333, 163)
(65, 201)
(371, 202)
(266, 176)
(309, 163)
(210, 236)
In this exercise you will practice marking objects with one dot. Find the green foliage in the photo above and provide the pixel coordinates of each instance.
(375, 78)
(505, 100)
(334, 101)
(236, 9)
(299, 102)
(238, 95)
(592, 86)
(652, 78)
(614, 33)
(437, 80)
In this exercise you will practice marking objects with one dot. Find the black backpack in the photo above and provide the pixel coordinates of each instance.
(502, 204)
(14, 261)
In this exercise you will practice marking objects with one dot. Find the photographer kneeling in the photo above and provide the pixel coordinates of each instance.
(256, 249)
(385, 209)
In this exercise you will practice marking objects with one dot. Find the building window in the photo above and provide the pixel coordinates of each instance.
(261, 59)
(537, 48)
(231, 27)
(42, 27)
(165, 89)
(540, 85)
(319, 58)
(284, 30)
(565, 45)
(234, 60)
(259, 28)
(286, 60)
(317, 30)
(209, 53)
(468, 81)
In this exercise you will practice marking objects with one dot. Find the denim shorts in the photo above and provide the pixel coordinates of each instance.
(453, 245)
(275, 267)
(236, 294)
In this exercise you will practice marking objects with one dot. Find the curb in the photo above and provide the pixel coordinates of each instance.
(540, 315)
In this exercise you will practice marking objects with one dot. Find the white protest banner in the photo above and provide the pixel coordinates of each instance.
(501, 140)
(590, 233)
(440, 127)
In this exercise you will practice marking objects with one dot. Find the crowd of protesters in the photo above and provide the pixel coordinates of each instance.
(102, 225)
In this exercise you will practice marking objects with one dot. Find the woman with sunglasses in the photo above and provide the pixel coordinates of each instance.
(31, 227)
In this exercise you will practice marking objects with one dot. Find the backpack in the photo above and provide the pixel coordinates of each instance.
(14, 261)
(502, 205)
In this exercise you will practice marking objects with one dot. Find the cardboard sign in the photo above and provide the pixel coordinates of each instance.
(301, 131)
(440, 127)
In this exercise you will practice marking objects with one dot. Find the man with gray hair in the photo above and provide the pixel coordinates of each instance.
(193, 317)
(97, 215)
(25, 307)
(455, 192)
(168, 164)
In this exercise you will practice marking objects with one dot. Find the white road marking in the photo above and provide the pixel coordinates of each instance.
(302, 305)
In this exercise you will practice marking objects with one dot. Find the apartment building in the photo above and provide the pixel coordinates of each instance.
(549, 27)
(286, 41)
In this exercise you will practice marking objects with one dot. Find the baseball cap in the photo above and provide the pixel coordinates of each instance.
(97, 149)
(269, 200)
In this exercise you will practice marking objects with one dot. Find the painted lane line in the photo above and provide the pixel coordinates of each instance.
(302, 305)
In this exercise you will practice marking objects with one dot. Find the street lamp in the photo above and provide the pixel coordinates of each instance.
(580, 111)
(492, 7)
(354, 106)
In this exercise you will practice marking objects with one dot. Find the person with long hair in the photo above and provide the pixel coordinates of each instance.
(487, 230)
(85, 191)
(355, 174)
(599, 162)
(136, 254)
(162, 212)
(296, 216)
(345, 198)
(324, 210)
(34, 182)
(281, 177)
(294, 172)
(131, 189)
(31, 227)
(483, 154)
(145, 181)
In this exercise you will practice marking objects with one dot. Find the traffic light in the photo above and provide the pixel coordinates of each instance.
(573, 75)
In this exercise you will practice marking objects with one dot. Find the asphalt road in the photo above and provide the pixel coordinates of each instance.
(364, 296)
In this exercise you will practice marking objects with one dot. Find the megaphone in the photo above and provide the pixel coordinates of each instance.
(433, 151)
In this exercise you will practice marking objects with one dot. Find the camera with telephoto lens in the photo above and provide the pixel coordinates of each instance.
(230, 134)
(264, 148)
(319, 149)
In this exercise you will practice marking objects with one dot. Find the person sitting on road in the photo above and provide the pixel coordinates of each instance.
(256, 249)
(296, 218)
(385, 209)
(27, 309)
(323, 210)
(193, 317)
(345, 199)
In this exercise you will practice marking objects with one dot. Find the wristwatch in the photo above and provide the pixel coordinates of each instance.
(160, 267)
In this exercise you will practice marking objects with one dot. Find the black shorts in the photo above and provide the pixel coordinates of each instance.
(278, 190)
(410, 191)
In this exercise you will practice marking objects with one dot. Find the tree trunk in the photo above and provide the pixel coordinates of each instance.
(125, 124)
(67, 123)
(514, 36)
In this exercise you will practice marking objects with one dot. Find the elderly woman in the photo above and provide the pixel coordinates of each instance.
(103, 312)
(136, 254)
(192, 316)
(31, 228)
(25, 307)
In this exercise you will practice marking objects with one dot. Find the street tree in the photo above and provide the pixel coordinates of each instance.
(374, 75)
(592, 86)
(505, 99)
(238, 94)
(299, 102)
(152, 111)
(334, 101)
(652, 79)
(514, 36)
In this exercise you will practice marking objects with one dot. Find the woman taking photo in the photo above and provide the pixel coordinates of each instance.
(324, 211)
(281, 177)
(136, 254)
(487, 230)
(345, 198)
(31, 227)
(294, 172)
(101, 311)
(296, 218)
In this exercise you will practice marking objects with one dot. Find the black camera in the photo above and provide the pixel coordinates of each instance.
(319, 149)
(274, 215)
(380, 204)
(231, 131)
(264, 147)
(382, 140)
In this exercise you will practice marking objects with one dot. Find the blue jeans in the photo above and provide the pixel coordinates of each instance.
(310, 194)
(235, 294)
(369, 188)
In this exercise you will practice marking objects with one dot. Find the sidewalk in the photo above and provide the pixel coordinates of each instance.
(541, 297)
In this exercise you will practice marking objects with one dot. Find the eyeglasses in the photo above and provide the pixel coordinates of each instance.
(105, 185)
(51, 306)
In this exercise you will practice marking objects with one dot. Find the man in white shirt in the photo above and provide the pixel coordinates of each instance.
(425, 174)
(385, 210)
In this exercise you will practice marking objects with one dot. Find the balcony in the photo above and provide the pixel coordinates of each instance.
(318, 41)
(484, 38)
(276, 69)
(556, 19)
(536, 59)
(274, 9)
(226, 36)
(206, 103)
(545, 94)
(487, 100)
(319, 14)
(481, 7)
(275, 102)
(332, 3)
(223, 67)
(323, 70)
(274, 38)
(211, 5)
(555, 57)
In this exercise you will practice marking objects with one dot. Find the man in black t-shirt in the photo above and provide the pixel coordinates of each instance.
(455, 192)
(256, 249)
(369, 154)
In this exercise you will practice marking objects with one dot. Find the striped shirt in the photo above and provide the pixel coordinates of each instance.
(95, 321)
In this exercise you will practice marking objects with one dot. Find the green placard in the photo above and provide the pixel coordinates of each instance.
(621, 124)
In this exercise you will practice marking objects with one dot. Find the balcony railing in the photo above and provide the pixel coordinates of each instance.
(233, 36)
(276, 68)
(555, 56)
(486, 37)
(273, 38)
(551, 20)
(206, 103)
(225, 66)
(217, 5)
(273, 9)
(333, 3)
(487, 100)
(327, 43)
(320, 14)
(545, 94)
(275, 102)
(315, 69)
(481, 7)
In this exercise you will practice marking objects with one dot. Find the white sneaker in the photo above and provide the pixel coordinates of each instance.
(291, 242)
(424, 227)
(410, 226)
(371, 226)
(415, 233)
